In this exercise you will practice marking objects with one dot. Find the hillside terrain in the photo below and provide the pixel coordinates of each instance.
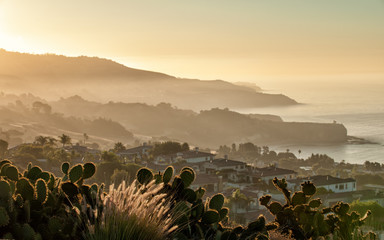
(205, 128)
(103, 80)
(118, 121)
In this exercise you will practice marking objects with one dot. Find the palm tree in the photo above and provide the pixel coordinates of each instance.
(65, 139)
(41, 140)
(119, 146)
(52, 141)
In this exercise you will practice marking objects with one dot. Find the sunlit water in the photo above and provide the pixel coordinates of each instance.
(359, 105)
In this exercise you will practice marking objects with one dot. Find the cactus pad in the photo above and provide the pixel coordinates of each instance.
(168, 174)
(298, 198)
(144, 175)
(89, 170)
(217, 202)
(75, 173)
(65, 168)
(12, 173)
(70, 189)
(223, 213)
(308, 188)
(188, 176)
(34, 173)
(189, 195)
(25, 188)
(5, 189)
(275, 207)
(41, 193)
(210, 216)
(315, 203)
(44, 175)
(264, 200)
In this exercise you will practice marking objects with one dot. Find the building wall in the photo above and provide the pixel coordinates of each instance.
(285, 176)
(341, 187)
(196, 160)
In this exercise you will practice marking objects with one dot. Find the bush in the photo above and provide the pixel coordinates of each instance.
(35, 204)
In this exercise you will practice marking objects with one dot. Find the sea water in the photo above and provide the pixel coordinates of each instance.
(358, 104)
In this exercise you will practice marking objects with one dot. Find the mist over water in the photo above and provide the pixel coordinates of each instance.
(358, 104)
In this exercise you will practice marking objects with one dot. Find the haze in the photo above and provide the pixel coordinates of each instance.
(231, 40)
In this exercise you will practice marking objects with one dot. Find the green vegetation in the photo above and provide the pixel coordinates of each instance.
(169, 147)
(35, 204)
(376, 220)
(198, 219)
(304, 218)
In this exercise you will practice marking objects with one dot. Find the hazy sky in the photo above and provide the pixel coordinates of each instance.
(208, 39)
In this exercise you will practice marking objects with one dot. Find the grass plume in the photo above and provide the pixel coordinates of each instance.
(135, 212)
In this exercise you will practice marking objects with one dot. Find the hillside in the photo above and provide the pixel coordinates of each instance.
(50, 76)
(207, 128)
(21, 122)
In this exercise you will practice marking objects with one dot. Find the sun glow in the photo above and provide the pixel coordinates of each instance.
(16, 43)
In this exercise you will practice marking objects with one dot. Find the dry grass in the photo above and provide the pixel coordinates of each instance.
(135, 212)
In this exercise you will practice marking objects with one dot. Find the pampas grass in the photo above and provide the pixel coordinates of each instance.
(134, 212)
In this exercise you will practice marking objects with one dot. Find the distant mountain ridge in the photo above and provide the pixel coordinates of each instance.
(119, 121)
(211, 128)
(100, 79)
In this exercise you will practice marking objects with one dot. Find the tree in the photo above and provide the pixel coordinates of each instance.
(65, 139)
(265, 150)
(40, 107)
(185, 147)
(3, 148)
(119, 146)
(233, 148)
(41, 140)
(86, 137)
(109, 157)
(165, 148)
(52, 141)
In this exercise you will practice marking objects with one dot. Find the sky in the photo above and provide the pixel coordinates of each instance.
(234, 40)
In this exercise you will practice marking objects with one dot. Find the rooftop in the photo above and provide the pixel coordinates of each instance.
(273, 171)
(222, 162)
(138, 149)
(204, 178)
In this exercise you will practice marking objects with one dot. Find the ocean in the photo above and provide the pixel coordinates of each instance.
(358, 104)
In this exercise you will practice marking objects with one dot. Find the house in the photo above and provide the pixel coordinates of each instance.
(335, 184)
(224, 164)
(330, 199)
(266, 174)
(190, 156)
(211, 183)
(139, 152)
(82, 152)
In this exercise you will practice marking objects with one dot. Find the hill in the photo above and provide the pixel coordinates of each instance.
(205, 128)
(103, 80)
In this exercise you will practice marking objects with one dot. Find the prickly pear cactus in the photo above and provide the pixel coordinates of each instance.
(198, 219)
(304, 218)
(38, 205)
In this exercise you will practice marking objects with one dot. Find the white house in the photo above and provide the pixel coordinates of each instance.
(336, 185)
(333, 183)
